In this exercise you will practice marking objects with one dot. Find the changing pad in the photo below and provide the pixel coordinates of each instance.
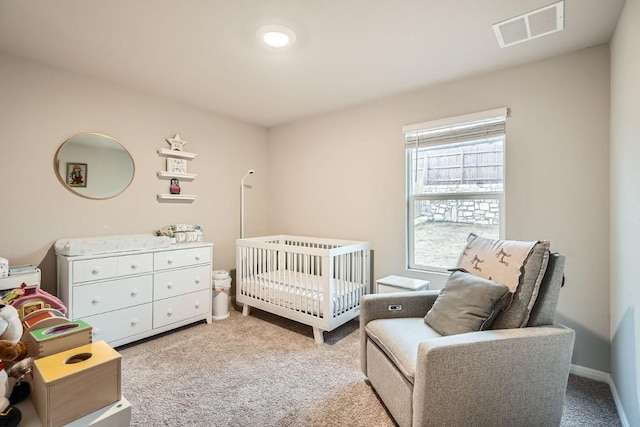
(105, 244)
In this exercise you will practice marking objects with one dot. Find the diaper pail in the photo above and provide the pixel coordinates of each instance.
(221, 286)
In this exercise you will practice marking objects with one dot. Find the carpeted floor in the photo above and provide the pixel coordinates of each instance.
(262, 370)
(589, 403)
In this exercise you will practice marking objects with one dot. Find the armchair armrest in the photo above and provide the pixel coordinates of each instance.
(376, 306)
(412, 304)
(489, 372)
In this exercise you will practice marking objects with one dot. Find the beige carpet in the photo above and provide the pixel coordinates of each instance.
(262, 370)
(249, 371)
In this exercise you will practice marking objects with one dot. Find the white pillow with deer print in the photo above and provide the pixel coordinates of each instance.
(497, 260)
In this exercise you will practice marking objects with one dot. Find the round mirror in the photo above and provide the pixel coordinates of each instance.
(94, 166)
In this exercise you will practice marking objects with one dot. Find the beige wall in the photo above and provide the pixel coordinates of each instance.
(338, 175)
(625, 210)
(41, 107)
(342, 175)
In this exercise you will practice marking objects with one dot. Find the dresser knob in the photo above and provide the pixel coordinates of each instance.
(197, 257)
(134, 266)
(95, 300)
(134, 321)
(96, 331)
(134, 292)
(95, 271)
(197, 280)
(170, 261)
(169, 313)
(197, 304)
(169, 285)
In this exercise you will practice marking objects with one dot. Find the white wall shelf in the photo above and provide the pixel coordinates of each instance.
(181, 176)
(176, 171)
(177, 197)
(165, 152)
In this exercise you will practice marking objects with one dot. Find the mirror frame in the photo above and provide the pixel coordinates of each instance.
(56, 166)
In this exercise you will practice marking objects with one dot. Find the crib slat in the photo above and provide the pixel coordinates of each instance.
(359, 278)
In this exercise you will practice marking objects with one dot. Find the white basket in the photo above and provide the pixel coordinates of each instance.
(188, 236)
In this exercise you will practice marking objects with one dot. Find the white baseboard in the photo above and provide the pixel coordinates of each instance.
(593, 374)
(604, 377)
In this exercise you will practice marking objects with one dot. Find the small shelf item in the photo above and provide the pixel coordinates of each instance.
(175, 186)
(176, 165)
(176, 143)
(175, 151)
(177, 197)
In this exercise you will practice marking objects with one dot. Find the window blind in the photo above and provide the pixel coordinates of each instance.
(465, 128)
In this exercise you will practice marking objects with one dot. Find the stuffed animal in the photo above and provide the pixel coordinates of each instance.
(10, 324)
(11, 350)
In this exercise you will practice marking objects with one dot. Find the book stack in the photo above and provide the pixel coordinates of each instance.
(22, 269)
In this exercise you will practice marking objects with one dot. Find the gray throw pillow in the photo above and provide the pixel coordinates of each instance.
(530, 272)
(467, 303)
(515, 313)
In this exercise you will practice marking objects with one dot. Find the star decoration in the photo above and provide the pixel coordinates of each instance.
(176, 143)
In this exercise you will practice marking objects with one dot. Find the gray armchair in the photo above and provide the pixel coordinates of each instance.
(495, 377)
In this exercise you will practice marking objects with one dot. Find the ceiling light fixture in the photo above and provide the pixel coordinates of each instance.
(276, 36)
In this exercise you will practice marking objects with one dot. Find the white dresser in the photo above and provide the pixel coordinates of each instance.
(130, 295)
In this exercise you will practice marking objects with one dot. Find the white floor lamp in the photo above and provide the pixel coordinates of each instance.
(249, 172)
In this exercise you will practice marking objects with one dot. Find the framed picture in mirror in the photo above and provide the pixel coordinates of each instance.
(76, 174)
(112, 167)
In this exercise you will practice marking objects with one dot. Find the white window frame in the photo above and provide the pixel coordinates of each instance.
(438, 133)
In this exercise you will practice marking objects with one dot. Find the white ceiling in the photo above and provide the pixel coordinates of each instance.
(205, 53)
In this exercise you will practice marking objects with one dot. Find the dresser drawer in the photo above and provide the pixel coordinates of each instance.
(135, 264)
(105, 268)
(179, 308)
(175, 282)
(94, 269)
(181, 258)
(96, 298)
(119, 324)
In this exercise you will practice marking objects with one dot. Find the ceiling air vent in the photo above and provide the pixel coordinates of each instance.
(537, 23)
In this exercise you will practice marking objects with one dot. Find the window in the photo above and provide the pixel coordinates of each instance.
(455, 186)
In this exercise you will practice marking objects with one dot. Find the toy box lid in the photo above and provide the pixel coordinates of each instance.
(76, 360)
(62, 329)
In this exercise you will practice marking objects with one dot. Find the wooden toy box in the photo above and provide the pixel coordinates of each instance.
(73, 383)
(53, 339)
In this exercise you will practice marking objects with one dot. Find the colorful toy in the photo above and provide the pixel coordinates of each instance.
(41, 319)
(10, 296)
(11, 350)
(32, 298)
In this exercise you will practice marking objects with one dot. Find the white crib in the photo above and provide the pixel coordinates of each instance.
(317, 282)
